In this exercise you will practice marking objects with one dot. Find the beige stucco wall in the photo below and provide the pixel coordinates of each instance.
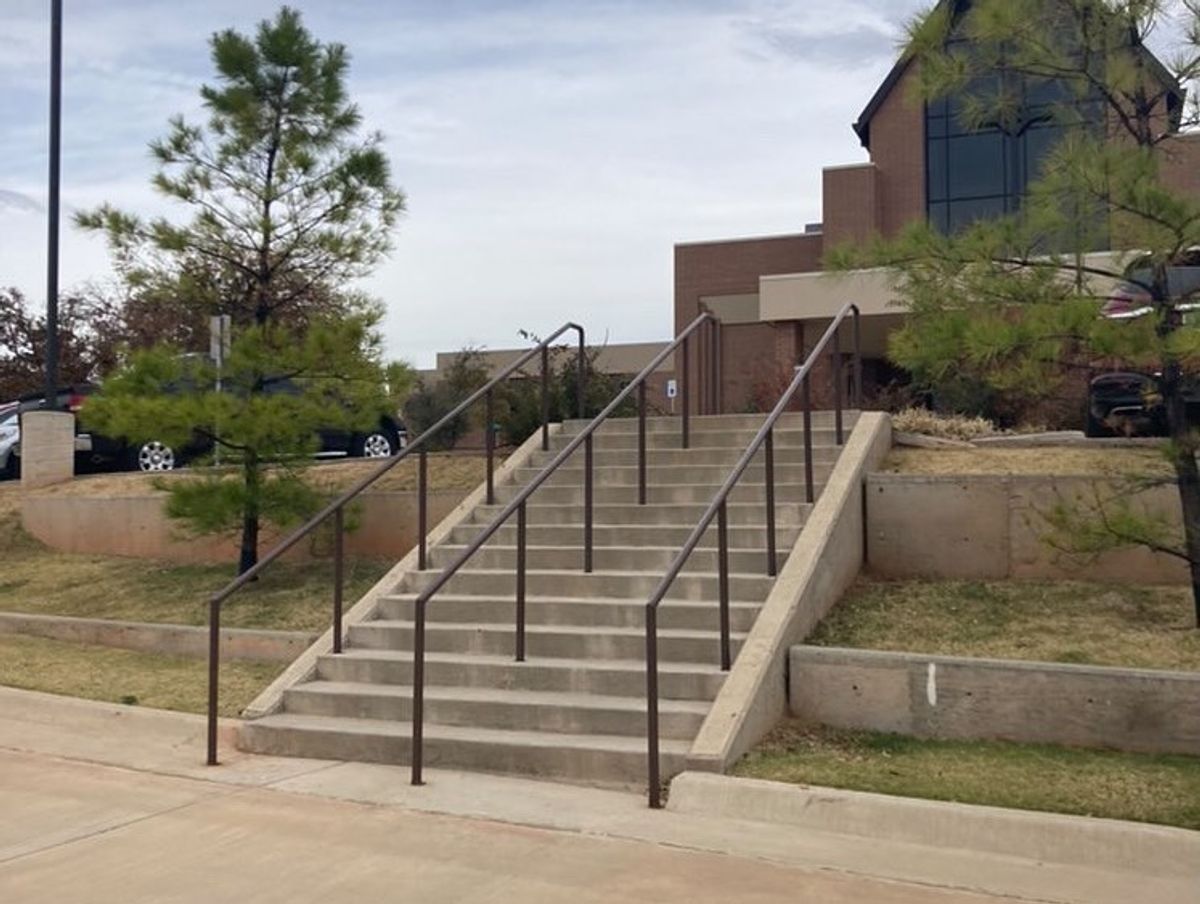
(992, 527)
(47, 448)
(138, 526)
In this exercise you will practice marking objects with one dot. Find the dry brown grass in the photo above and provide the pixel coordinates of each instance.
(1157, 789)
(123, 676)
(1072, 622)
(1046, 460)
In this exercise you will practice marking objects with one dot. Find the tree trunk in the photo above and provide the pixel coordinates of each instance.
(1187, 473)
(250, 512)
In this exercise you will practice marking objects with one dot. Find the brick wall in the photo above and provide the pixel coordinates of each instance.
(898, 152)
(851, 196)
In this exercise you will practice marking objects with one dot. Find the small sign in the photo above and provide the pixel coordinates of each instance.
(672, 389)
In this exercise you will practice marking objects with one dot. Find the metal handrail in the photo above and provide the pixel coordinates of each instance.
(518, 506)
(718, 509)
(338, 506)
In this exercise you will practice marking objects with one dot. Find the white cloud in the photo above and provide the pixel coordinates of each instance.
(553, 152)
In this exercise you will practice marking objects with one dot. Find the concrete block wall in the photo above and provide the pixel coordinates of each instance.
(950, 697)
(47, 448)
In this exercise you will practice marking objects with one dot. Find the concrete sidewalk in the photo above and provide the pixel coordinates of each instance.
(108, 803)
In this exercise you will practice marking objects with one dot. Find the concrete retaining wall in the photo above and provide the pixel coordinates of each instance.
(949, 697)
(138, 526)
(826, 559)
(991, 527)
(167, 640)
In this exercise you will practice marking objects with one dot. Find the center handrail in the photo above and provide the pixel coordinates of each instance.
(337, 507)
(763, 440)
(518, 506)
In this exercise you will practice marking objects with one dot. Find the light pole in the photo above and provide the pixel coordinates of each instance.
(56, 15)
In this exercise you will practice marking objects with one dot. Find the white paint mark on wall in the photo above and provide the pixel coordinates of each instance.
(931, 685)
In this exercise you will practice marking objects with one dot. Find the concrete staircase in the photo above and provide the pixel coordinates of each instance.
(575, 710)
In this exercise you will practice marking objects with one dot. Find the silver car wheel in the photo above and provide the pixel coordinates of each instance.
(377, 445)
(156, 456)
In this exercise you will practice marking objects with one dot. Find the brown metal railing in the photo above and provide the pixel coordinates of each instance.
(707, 327)
(337, 508)
(718, 510)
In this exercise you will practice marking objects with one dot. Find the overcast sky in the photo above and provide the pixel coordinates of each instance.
(553, 152)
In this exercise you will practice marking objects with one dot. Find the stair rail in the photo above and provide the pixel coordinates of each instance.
(717, 509)
(337, 508)
(709, 342)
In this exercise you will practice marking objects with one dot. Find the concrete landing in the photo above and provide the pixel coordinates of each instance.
(109, 803)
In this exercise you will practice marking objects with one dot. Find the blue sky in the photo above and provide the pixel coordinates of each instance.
(553, 152)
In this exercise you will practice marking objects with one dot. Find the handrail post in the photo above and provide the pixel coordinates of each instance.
(858, 371)
(653, 779)
(339, 542)
(723, 580)
(588, 494)
(720, 366)
(642, 443)
(489, 444)
(214, 663)
(806, 396)
(835, 357)
(418, 693)
(521, 525)
(684, 392)
(545, 398)
(581, 388)
(713, 363)
(422, 510)
(769, 485)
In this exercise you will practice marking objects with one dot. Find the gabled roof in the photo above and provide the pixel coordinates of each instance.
(863, 125)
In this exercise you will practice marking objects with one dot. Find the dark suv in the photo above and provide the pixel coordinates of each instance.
(1127, 403)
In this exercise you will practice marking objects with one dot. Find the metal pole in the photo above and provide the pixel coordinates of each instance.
(835, 355)
(521, 583)
(54, 203)
(339, 534)
(418, 698)
(545, 398)
(686, 384)
(588, 493)
(653, 780)
(809, 486)
(720, 367)
(489, 443)
(642, 443)
(723, 579)
(858, 371)
(582, 387)
(214, 662)
(769, 475)
(422, 510)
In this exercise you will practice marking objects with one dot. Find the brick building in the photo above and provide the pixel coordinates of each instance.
(770, 292)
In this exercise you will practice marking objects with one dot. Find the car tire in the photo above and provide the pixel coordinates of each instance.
(376, 444)
(11, 469)
(1095, 429)
(153, 456)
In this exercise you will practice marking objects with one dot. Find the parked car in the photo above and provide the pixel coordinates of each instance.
(386, 439)
(1127, 403)
(69, 399)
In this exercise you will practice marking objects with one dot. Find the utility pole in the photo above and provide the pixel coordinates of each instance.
(56, 16)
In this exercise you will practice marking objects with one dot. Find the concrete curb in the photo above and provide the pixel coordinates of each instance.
(1104, 844)
(163, 639)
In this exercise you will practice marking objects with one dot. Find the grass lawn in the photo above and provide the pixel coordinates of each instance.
(1072, 622)
(1158, 789)
(1101, 461)
(123, 676)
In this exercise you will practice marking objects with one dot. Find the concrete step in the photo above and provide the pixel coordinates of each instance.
(669, 494)
(633, 585)
(709, 422)
(624, 678)
(605, 558)
(721, 456)
(556, 610)
(670, 475)
(787, 513)
(542, 641)
(637, 535)
(574, 757)
(701, 438)
(496, 708)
